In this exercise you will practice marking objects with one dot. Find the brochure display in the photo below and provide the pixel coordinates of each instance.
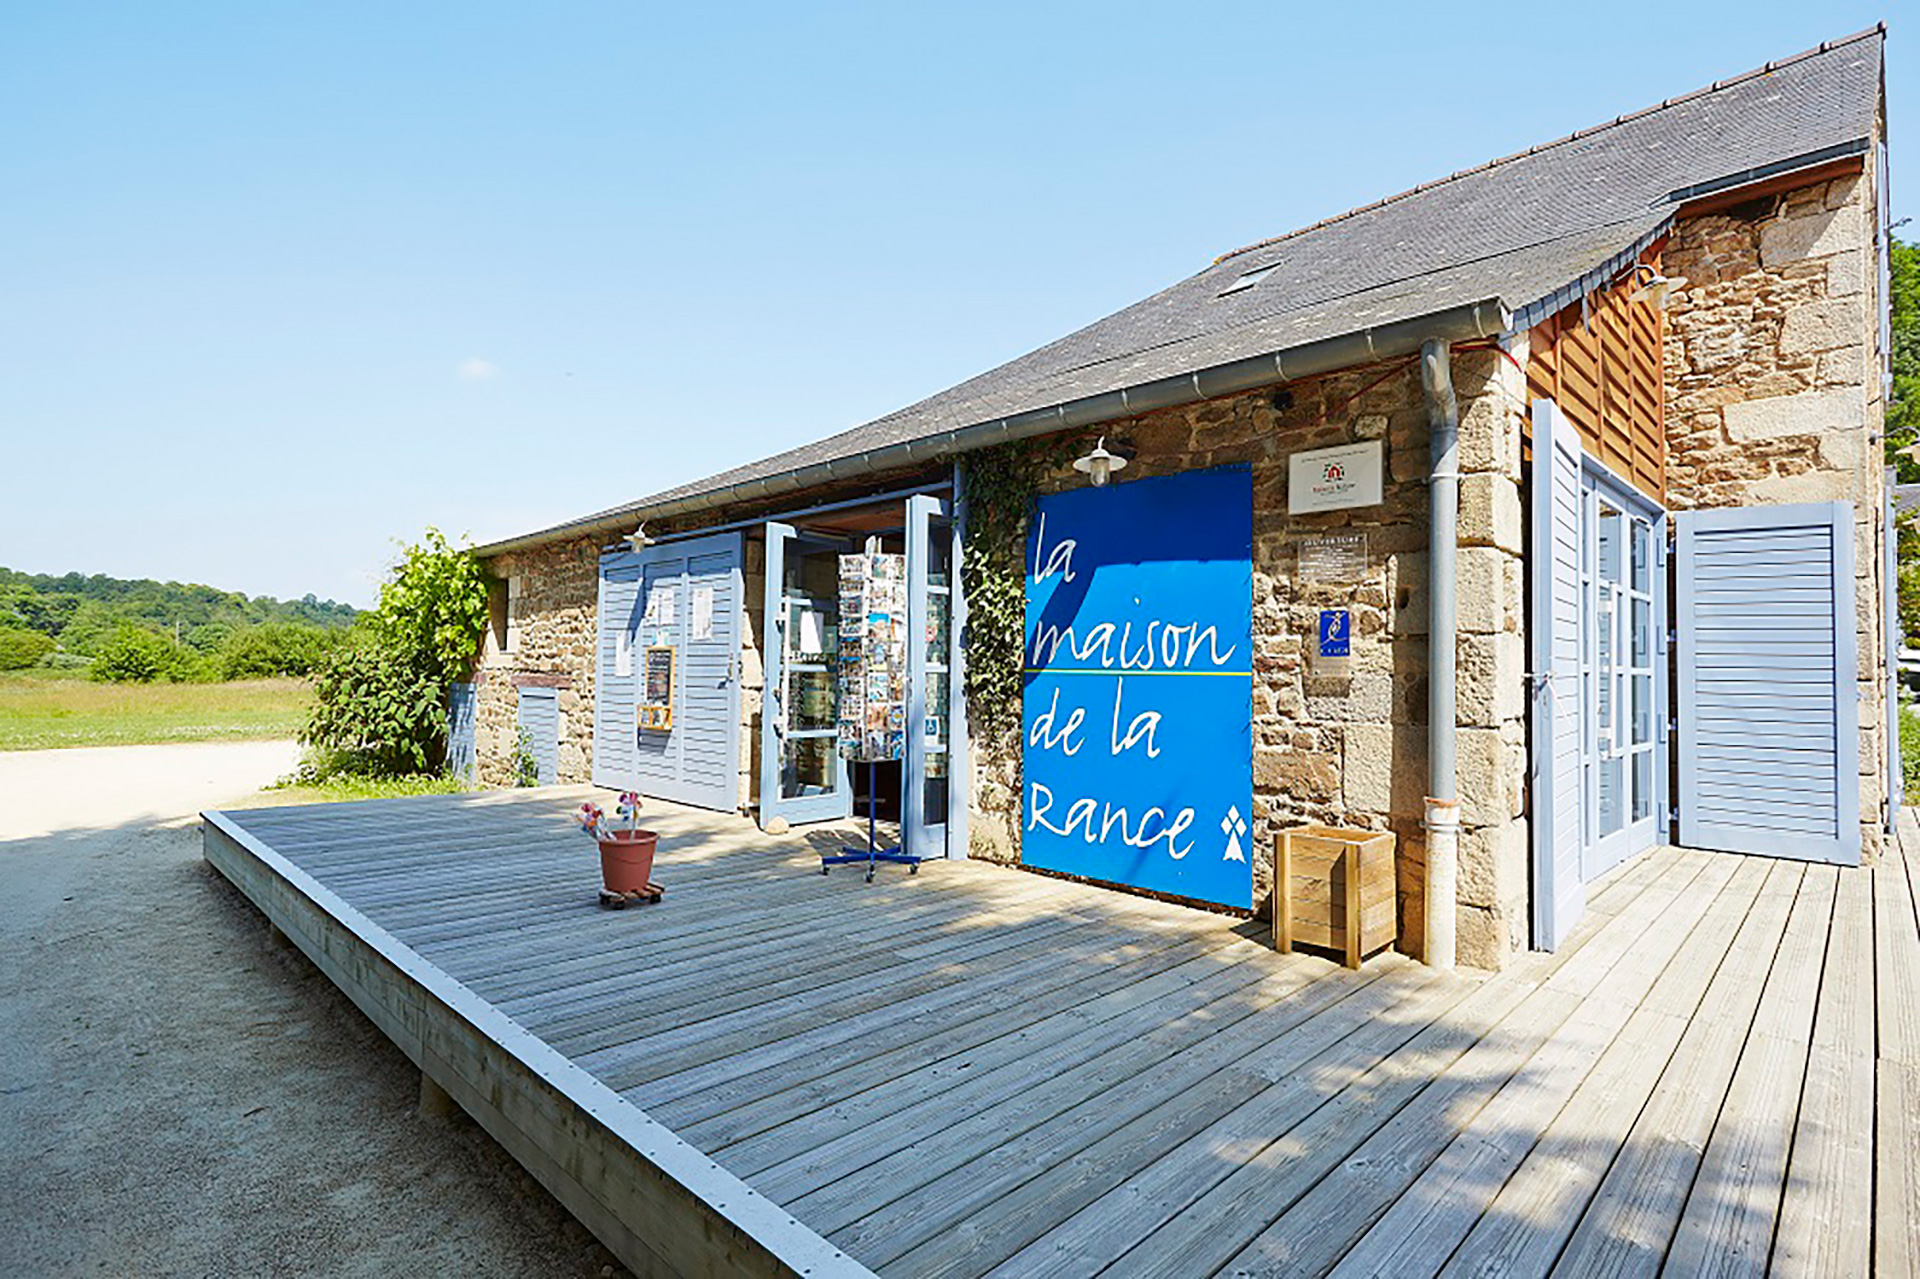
(871, 675)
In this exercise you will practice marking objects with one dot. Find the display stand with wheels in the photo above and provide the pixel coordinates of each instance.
(871, 682)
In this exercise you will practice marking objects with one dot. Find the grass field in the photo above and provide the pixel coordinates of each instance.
(45, 709)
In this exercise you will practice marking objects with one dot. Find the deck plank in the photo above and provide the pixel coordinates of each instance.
(1004, 1206)
(1235, 1227)
(1522, 1231)
(1826, 1224)
(1733, 1207)
(1435, 1213)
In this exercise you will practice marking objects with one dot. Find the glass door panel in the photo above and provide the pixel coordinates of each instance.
(802, 777)
(1622, 604)
(928, 774)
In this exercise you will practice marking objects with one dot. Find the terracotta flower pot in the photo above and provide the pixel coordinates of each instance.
(626, 860)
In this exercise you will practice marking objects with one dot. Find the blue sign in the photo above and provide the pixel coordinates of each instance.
(1336, 632)
(1138, 759)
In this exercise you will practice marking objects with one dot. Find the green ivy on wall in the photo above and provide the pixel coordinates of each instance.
(1000, 486)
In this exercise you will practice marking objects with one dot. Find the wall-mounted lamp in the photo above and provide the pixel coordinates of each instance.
(1655, 287)
(638, 539)
(1099, 464)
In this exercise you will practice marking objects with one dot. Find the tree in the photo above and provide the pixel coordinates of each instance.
(1903, 400)
(134, 655)
(434, 603)
(276, 648)
(380, 698)
(21, 648)
(1903, 417)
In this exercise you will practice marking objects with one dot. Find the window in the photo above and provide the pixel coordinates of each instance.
(497, 612)
(1251, 278)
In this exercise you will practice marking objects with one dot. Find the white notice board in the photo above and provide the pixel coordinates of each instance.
(1335, 479)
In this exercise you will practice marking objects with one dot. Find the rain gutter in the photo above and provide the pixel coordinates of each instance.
(1466, 322)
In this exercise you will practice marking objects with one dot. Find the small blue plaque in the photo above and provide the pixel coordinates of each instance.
(1336, 632)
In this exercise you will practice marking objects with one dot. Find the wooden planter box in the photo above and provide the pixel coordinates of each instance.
(1334, 887)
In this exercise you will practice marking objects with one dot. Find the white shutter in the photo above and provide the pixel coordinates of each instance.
(1768, 681)
(1559, 893)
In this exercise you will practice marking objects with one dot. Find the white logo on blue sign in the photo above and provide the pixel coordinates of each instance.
(1336, 632)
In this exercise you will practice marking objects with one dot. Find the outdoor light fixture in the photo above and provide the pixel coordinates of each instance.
(638, 539)
(1656, 288)
(1099, 464)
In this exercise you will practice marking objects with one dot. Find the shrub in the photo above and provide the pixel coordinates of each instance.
(21, 648)
(435, 604)
(379, 707)
(526, 767)
(132, 655)
(380, 700)
(1910, 748)
(277, 648)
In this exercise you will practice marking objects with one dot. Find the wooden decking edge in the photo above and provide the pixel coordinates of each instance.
(730, 1228)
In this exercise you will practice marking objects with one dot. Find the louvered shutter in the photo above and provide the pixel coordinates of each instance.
(462, 758)
(1554, 550)
(540, 720)
(616, 673)
(1769, 699)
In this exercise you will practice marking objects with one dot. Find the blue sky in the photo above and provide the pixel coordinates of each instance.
(285, 282)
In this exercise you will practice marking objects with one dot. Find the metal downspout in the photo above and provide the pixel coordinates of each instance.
(1443, 804)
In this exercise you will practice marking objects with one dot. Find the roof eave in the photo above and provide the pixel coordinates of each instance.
(1488, 317)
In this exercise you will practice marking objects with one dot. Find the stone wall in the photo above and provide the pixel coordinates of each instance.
(553, 594)
(1774, 392)
(1353, 750)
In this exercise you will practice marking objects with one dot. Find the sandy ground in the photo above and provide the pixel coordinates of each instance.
(180, 1097)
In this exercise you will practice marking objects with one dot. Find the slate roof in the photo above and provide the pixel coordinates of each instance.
(1520, 230)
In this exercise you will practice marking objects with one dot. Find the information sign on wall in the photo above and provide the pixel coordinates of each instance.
(656, 691)
(1138, 751)
(1333, 648)
(1334, 479)
(1335, 559)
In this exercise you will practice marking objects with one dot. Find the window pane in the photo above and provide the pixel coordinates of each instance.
(1643, 633)
(1613, 809)
(807, 766)
(1642, 710)
(940, 555)
(810, 700)
(1642, 555)
(1642, 785)
(1604, 663)
(1609, 544)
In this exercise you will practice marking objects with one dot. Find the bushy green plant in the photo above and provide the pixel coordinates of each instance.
(1903, 328)
(1910, 748)
(380, 699)
(526, 768)
(21, 648)
(134, 655)
(277, 648)
(435, 604)
(379, 707)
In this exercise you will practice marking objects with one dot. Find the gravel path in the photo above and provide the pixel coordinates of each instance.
(180, 1097)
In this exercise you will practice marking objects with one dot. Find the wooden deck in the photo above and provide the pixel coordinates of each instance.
(978, 1071)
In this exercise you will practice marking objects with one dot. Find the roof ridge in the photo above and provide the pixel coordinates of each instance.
(1825, 46)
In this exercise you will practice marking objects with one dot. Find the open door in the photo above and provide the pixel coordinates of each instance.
(1559, 738)
(1894, 641)
(930, 593)
(1768, 681)
(802, 777)
(675, 605)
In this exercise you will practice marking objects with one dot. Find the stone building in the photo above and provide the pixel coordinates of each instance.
(1601, 417)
